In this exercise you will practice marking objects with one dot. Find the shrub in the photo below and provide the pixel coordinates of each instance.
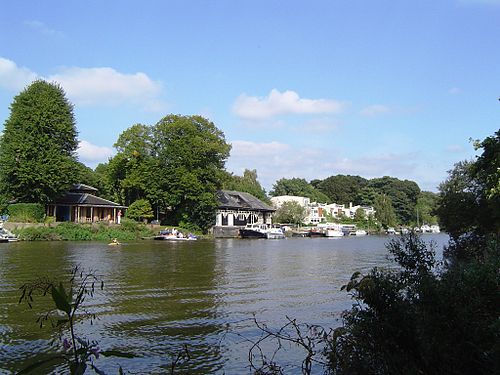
(26, 212)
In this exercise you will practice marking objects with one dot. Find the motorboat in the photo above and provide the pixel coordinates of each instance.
(174, 235)
(275, 232)
(6, 235)
(262, 231)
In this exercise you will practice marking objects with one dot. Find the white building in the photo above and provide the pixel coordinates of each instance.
(319, 212)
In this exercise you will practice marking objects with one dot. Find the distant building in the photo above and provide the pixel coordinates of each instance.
(80, 205)
(237, 209)
(317, 213)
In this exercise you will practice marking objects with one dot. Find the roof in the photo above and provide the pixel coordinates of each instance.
(82, 188)
(240, 200)
(85, 199)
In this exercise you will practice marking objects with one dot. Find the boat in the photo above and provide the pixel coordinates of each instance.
(262, 231)
(360, 232)
(114, 243)
(334, 232)
(275, 232)
(316, 232)
(6, 235)
(174, 235)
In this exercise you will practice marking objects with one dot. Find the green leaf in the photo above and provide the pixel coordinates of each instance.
(60, 299)
(39, 363)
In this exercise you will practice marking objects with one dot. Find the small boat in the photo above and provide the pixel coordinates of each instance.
(7, 235)
(275, 232)
(174, 235)
(114, 243)
(360, 232)
(262, 231)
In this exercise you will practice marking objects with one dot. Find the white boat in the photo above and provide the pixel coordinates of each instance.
(275, 233)
(6, 235)
(262, 231)
(174, 235)
(360, 232)
(333, 232)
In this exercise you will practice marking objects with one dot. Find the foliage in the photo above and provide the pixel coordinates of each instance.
(290, 212)
(68, 301)
(298, 187)
(342, 189)
(177, 164)
(128, 230)
(413, 320)
(26, 212)
(403, 195)
(139, 210)
(427, 203)
(384, 211)
(37, 148)
(247, 183)
(469, 201)
(420, 319)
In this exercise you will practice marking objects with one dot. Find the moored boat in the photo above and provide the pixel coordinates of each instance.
(262, 231)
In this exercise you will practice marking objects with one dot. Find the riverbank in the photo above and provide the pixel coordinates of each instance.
(127, 231)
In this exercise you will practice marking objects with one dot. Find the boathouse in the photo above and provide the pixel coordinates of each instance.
(80, 205)
(237, 209)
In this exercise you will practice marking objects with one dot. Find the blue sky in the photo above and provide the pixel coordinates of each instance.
(303, 89)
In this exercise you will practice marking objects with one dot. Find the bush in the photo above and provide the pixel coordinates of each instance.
(128, 231)
(26, 212)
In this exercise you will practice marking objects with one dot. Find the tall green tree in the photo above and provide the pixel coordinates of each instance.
(342, 189)
(176, 164)
(247, 183)
(384, 212)
(403, 195)
(38, 145)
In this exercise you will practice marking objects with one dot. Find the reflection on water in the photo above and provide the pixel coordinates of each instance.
(161, 295)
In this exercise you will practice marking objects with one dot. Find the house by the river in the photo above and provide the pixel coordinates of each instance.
(237, 209)
(80, 205)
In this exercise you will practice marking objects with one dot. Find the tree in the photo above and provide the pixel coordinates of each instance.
(384, 212)
(429, 318)
(342, 189)
(403, 194)
(176, 164)
(247, 183)
(290, 212)
(140, 210)
(298, 187)
(426, 206)
(37, 149)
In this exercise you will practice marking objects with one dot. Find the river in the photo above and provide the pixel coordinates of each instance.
(159, 296)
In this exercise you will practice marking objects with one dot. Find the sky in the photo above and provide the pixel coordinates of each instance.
(306, 89)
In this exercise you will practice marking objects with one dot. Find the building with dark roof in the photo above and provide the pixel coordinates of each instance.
(80, 205)
(237, 209)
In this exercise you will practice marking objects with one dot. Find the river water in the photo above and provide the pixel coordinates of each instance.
(160, 296)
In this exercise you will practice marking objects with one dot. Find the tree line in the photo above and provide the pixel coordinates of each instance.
(170, 170)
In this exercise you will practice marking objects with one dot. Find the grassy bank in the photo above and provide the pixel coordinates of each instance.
(127, 231)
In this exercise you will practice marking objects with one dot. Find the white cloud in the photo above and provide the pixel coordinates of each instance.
(287, 102)
(13, 77)
(98, 86)
(101, 86)
(375, 110)
(92, 154)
